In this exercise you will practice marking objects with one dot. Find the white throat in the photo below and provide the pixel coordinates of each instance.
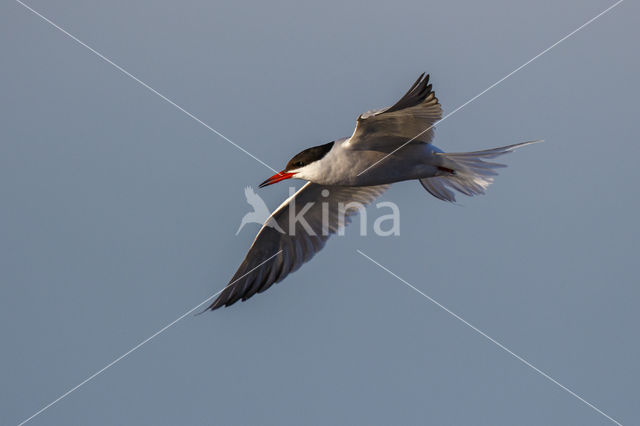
(332, 169)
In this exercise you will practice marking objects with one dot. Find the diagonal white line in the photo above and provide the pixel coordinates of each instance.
(495, 84)
(136, 347)
(491, 339)
(145, 85)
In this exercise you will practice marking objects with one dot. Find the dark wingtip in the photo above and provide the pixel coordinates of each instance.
(417, 93)
(217, 303)
(208, 308)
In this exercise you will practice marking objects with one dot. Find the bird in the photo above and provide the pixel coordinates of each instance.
(388, 145)
(260, 213)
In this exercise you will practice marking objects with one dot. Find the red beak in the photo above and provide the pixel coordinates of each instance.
(277, 178)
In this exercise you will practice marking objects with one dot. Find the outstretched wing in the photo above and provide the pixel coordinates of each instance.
(274, 255)
(413, 116)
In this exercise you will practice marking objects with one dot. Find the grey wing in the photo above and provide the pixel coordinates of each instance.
(413, 116)
(274, 254)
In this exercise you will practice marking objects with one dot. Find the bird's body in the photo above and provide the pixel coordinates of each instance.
(388, 145)
(347, 165)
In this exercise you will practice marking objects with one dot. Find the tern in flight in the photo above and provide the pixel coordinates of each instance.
(388, 145)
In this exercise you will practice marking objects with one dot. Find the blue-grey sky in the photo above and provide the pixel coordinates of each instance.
(118, 214)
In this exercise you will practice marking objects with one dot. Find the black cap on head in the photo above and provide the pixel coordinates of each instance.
(308, 156)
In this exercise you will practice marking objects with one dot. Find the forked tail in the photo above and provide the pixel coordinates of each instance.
(466, 172)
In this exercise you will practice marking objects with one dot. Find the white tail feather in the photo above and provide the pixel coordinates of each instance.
(472, 174)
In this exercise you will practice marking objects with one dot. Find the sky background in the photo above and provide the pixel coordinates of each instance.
(118, 214)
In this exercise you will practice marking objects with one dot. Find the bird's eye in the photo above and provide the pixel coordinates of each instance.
(299, 164)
